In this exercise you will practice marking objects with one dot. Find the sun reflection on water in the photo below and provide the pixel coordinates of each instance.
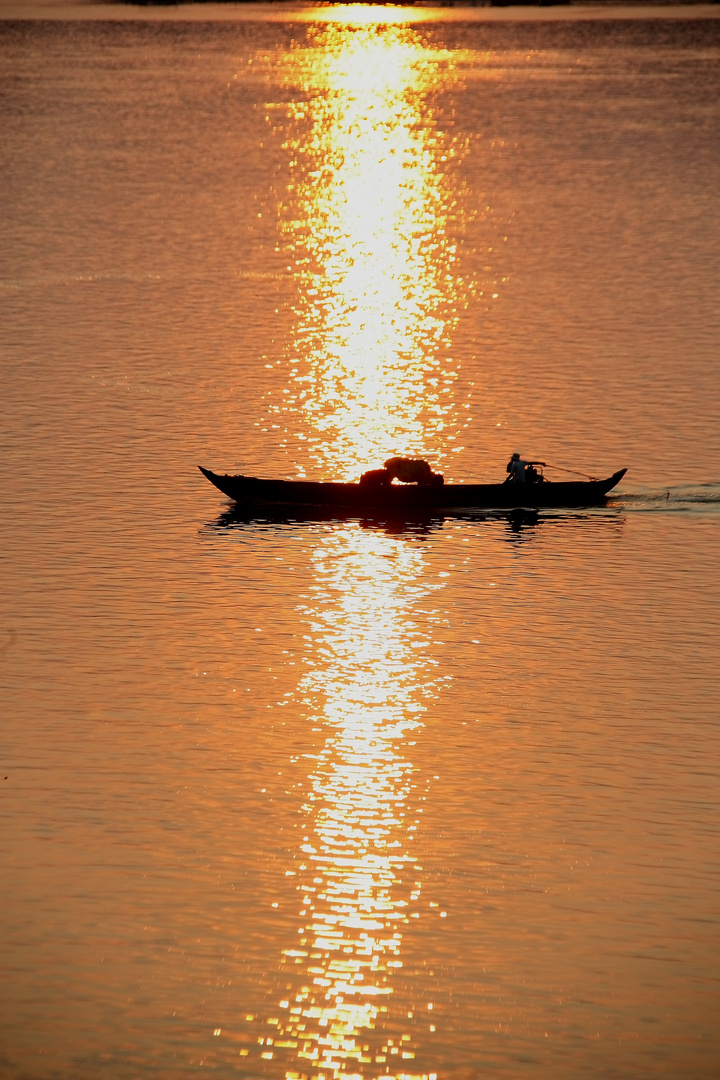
(369, 216)
(367, 224)
(367, 687)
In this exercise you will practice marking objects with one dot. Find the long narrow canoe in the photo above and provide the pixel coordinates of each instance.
(252, 491)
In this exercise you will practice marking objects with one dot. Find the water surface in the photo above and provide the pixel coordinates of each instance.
(363, 797)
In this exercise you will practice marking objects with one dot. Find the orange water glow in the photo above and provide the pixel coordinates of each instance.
(366, 221)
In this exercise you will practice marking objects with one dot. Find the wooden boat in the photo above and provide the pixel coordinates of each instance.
(403, 499)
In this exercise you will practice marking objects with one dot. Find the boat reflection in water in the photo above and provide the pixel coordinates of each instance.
(522, 521)
(369, 680)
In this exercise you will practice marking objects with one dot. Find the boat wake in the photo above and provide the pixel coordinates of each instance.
(679, 497)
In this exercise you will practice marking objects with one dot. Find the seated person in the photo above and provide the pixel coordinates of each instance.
(523, 472)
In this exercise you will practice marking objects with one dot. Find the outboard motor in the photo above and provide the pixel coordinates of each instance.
(534, 475)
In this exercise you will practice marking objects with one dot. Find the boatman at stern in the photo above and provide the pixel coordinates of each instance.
(521, 471)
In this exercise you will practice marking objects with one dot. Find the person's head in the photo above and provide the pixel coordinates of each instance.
(515, 457)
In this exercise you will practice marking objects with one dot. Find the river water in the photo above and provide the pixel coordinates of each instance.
(354, 798)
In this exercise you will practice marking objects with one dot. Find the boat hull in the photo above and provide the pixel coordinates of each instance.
(403, 499)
